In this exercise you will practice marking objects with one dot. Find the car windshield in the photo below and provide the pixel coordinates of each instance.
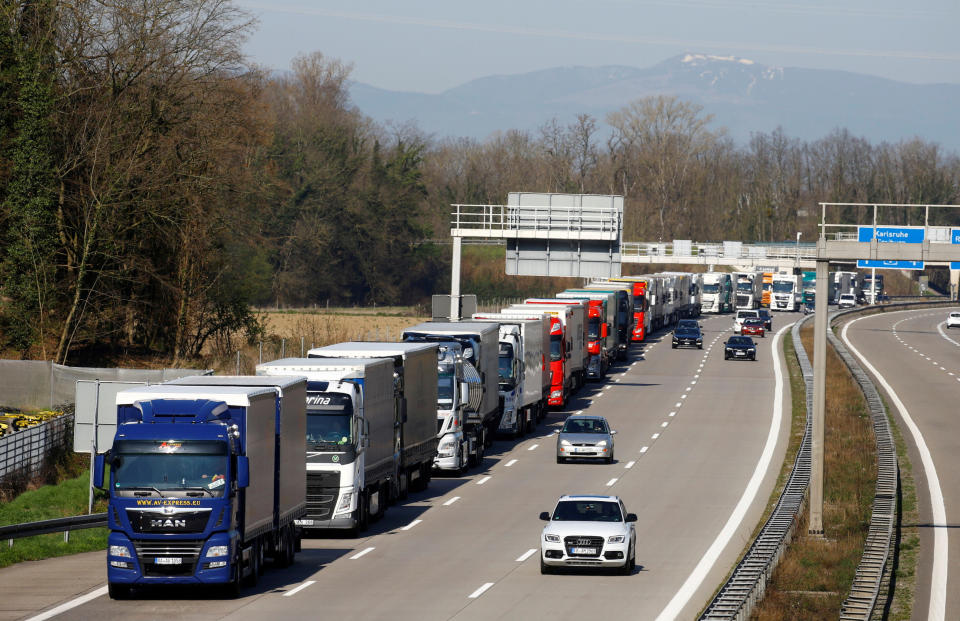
(746, 314)
(587, 511)
(688, 323)
(740, 340)
(753, 322)
(584, 425)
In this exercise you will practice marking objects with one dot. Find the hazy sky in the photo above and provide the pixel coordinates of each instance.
(433, 45)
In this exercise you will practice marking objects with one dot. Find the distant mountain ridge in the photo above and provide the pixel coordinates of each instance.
(743, 96)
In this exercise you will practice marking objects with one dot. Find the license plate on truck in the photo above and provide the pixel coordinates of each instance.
(303, 522)
(583, 550)
(167, 560)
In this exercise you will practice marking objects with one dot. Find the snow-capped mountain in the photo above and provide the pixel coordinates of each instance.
(744, 96)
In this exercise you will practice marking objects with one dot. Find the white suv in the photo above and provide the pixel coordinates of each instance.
(741, 315)
(588, 531)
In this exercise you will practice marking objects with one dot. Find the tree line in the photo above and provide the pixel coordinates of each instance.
(155, 185)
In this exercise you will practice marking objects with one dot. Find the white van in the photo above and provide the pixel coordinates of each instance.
(741, 315)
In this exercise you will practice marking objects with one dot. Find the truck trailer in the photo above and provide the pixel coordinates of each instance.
(196, 480)
(602, 338)
(561, 378)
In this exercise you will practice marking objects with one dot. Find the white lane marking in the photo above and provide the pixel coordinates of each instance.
(672, 414)
(411, 525)
(678, 404)
(699, 573)
(451, 501)
(617, 380)
(611, 482)
(510, 463)
(655, 436)
(644, 449)
(688, 389)
(296, 590)
(629, 465)
(938, 582)
(944, 334)
(361, 553)
(683, 396)
(483, 480)
(480, 591)
(693, 383)
(80, 601)
(533, 448)
(943, 368)
(949, 373)
(579, 412)
(526, 555)
(664, 424)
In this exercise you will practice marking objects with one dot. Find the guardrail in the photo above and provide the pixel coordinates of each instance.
(57, 525)
(875, 568)
(746, 585)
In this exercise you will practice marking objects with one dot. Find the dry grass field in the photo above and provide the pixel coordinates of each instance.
(290, 332)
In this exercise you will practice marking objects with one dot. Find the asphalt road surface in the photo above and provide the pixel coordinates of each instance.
(700, 443)
(917, 361)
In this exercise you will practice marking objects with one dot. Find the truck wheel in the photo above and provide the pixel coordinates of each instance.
(291, 546)
(464, 459)
(363, 520)
(235, 587)
(254, 576)
(118, 591)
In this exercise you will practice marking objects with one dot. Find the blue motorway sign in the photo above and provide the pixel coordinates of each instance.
(890, 265)
(892, 234)
(902, 234)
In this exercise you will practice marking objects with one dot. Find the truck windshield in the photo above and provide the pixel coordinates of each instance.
(329, 417)
(711, 288)
(638, 303)
(593, 328)
(782, 286)
(744, 286)
(444, 388)
(170, 465)
(505, 365)
(556, 347)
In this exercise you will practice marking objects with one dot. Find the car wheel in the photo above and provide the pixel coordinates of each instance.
(674, 346)
(726, 357)
(699, 346)
(560, 460)
(544, 568)
(753, 357)
(627, 568)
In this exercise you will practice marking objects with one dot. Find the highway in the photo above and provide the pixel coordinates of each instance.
(699, 447)
(913, 355)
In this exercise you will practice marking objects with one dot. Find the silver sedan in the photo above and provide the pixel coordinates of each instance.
(585, 436)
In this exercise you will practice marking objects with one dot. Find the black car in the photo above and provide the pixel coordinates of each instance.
(687, 334)
(739, 347)
(764, 314)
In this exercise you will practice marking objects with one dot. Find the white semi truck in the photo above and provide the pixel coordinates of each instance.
(353, 432)
(786, 292)
(415, 387)
(718, 293)
(468, 408)
(524, 372)
(749, 290)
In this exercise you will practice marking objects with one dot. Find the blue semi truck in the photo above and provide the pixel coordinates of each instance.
(205, 482)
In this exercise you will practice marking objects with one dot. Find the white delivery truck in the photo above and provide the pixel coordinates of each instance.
(785, 292)
(749, 290)
(718, 296)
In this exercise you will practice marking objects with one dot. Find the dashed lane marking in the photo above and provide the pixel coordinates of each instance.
(411, 525)
(361, 553)
(629, 465)
(510, 463)
(483, 480)
(526, 555)
(480, 591)
(451, 501)
(533, 448)
(644, 449)
(655, 436)
(293, 591)
(664, 424)
(611, 482)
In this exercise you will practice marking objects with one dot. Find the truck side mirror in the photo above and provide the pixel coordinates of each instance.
(98, 467)
(604, 330)
(243, 471)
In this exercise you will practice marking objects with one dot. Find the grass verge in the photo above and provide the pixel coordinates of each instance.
(67, 498)
(815, 574)
(908, 548)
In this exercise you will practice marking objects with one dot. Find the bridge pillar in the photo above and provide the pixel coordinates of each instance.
(815, 523)
(455, 280)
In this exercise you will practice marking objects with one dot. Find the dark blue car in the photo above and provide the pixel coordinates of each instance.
(740, 347)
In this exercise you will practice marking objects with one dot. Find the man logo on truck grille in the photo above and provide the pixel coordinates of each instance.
(168, 523)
